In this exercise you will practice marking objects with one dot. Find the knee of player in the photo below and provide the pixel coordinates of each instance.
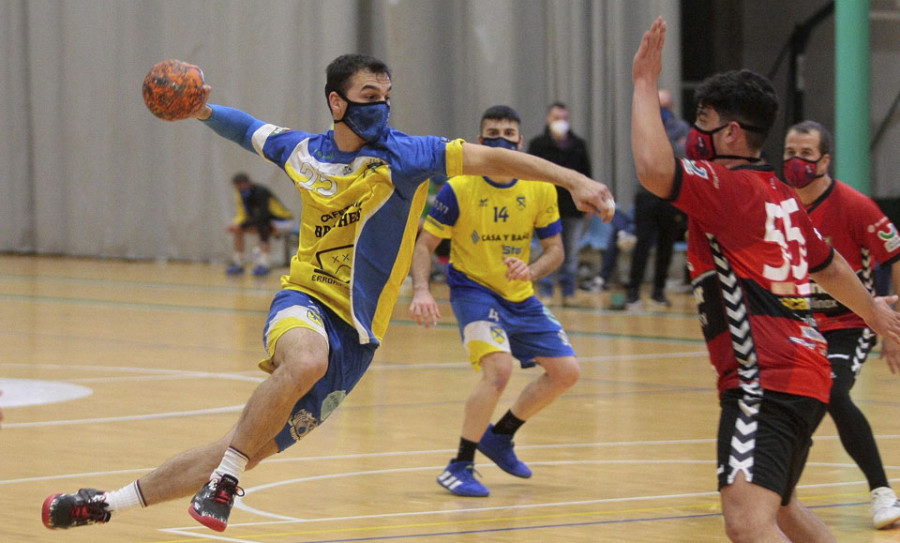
(302, 369)
(738, 530)
(497, 369)
(569, 373)
(745, 527)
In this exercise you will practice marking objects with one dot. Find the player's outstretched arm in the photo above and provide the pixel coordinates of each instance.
(654, 159)
(589, 195)
(890, 350)
(839, 280)
(231, 123)
(423, 309)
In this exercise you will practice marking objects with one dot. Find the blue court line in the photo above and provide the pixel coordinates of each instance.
(149, 306)
(158, 285)
(546, 526)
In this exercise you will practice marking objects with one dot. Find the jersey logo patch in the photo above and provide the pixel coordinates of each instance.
(336, 262)
(692, 168)
(890, 238)
(302, 423)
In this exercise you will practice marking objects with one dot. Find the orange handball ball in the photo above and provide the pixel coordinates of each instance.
(175, 90)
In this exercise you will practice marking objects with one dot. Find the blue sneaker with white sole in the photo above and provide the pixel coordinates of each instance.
(459, 478)
(234, 269)
(499, 448)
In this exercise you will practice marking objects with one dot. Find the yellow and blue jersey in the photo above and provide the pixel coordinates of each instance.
(359, 213)
(487, 222)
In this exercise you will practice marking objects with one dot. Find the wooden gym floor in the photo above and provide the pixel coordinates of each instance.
(155, 358)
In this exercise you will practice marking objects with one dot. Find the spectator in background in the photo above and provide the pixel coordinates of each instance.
(656, 221)
(560, 145)
(620, 238)
(260, 211)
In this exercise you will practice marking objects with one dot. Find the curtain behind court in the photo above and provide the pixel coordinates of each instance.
(85, 169)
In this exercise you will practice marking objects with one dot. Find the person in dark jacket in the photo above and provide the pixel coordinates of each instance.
(560, 145)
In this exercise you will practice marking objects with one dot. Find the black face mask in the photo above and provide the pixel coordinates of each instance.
(366, 119)
(700, 146)
(501, 142)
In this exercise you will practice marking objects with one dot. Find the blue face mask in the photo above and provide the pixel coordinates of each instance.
(500, 142)
(366, 119)
(245, 193)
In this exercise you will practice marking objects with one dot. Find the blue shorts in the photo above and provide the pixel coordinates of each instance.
(348, 360)
(489, 324)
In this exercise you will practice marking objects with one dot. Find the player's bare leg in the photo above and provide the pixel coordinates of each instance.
(183, 474)
(237, 234)
(496, 443)
(237, 243)
(751, 513)
(177, 477)
(800, 524)
(458, 477)
(300, 360)
(560, 374)
(496, 370)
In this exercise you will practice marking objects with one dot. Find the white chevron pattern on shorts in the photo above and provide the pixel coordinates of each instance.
(863, 346)
(743, 441)
(865, 272)
(867, 339)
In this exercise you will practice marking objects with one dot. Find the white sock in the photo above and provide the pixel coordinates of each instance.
(233, 463)
(125, 498)
(236, 258)
(263, 259)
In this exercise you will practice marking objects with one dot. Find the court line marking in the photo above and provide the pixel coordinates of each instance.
(190, 530)
(175, 373)
(492, 530)
(395, 454)
(151, 285)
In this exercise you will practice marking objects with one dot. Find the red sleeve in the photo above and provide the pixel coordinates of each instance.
(874, 230)
(700, 193)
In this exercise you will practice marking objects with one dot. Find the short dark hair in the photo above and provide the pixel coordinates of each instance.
(500, 113)
(239, 178)
(806, 127)
(558, 104)
(743, 96)
(344, 67)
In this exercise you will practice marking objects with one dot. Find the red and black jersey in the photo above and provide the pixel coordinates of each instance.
(854, 225)
(751, 247)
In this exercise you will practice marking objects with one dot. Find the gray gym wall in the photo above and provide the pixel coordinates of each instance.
(87, 170)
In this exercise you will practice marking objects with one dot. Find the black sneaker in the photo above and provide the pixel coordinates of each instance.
(660, 300)
(87, 506)
(212, 504)
(632, 300)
